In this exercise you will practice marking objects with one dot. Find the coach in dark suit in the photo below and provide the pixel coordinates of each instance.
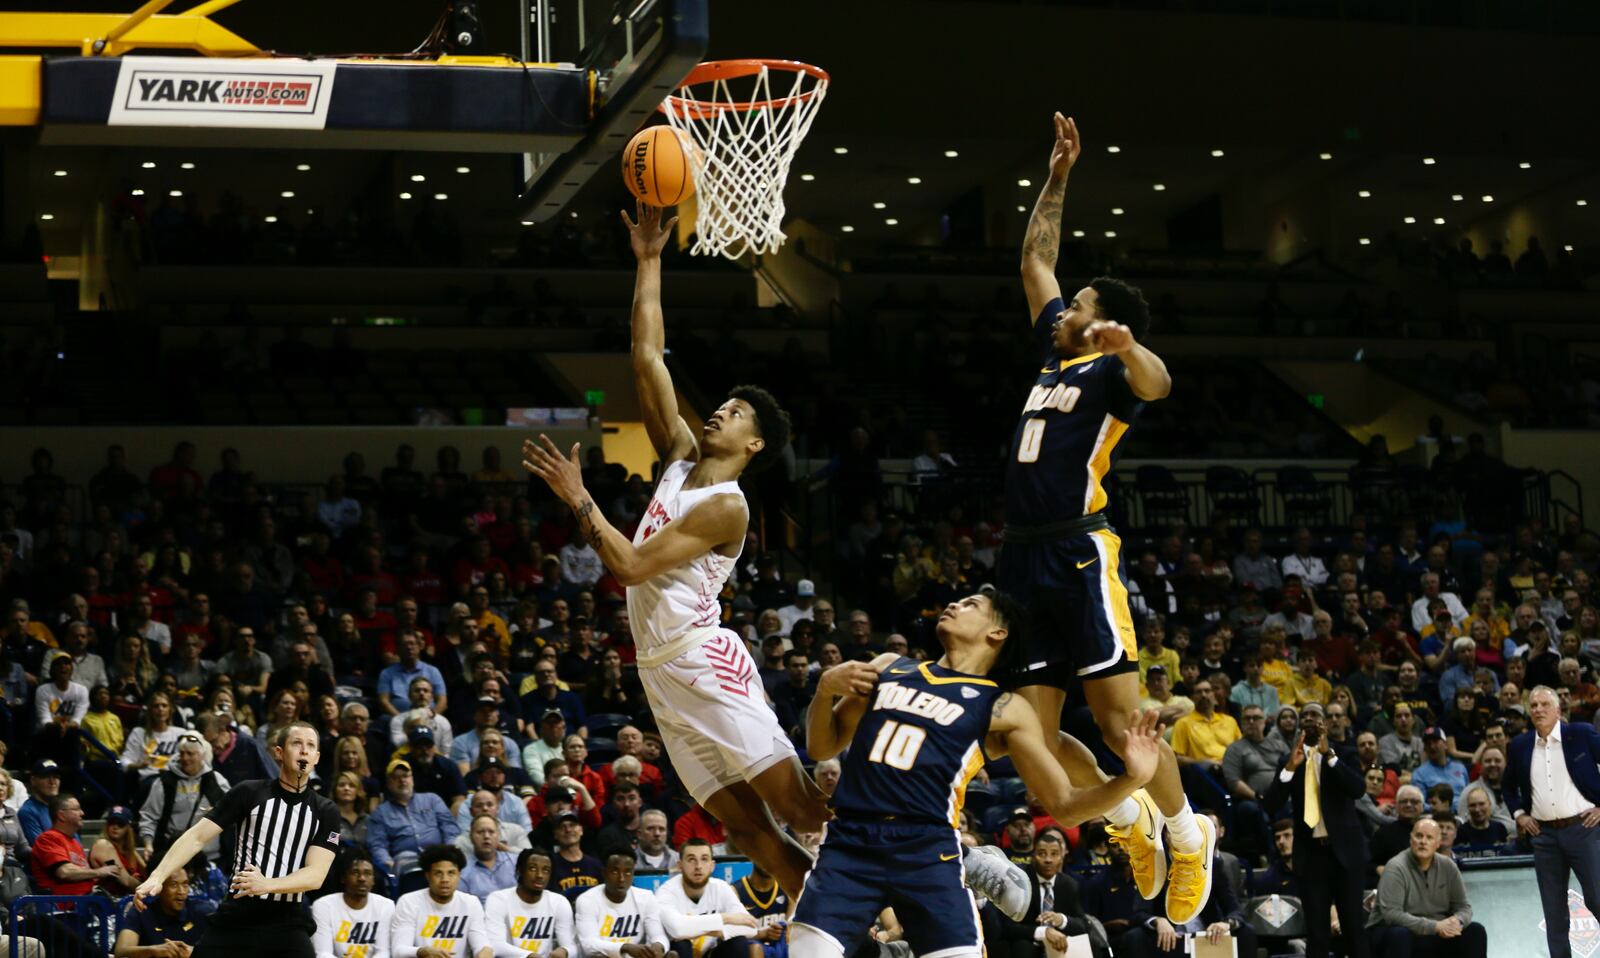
(1330, 846)
(1552, 788)
(1055, 910)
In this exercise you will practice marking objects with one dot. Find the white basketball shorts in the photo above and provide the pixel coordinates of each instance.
(713, 715)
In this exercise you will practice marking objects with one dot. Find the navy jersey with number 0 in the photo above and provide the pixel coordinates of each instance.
(918, 745)
(1066, 442)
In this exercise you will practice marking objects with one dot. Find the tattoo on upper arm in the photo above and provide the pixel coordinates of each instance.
(1000, 704)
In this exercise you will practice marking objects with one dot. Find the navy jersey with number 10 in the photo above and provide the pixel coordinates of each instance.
(918, 745)
(1066, 441)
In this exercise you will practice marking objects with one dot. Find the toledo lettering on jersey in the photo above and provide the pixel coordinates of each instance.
(532, 933)
(620, 927)
(900, 698)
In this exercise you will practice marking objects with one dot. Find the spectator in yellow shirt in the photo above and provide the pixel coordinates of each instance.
(1161, 698)
(1201, 737)
(1275, 670)
(1154, 651)
(1308, 685)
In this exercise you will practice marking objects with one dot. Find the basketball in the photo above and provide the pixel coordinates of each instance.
(656, 167)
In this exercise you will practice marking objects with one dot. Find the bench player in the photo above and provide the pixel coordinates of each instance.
(1060, 556)
(918, 733)
(725, 742)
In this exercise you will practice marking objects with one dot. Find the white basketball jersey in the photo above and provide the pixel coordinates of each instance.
(670, 604)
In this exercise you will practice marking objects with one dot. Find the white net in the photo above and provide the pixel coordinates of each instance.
(741, 136)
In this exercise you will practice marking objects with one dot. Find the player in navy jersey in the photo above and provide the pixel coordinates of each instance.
(1061, 557)
(918, 733)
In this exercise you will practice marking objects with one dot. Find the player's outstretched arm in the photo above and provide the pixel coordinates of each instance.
(715, 523)
(839, 703)
(181, 853)
(1014, 728)
(658, 401)
(1041, 245)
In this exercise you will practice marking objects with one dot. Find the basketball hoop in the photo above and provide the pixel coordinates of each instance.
(741, 138)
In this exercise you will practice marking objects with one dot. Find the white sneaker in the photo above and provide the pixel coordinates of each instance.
(991, 875)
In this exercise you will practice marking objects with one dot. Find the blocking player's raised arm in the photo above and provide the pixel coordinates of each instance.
(658, 401)
(1014, 728)
(1041, 245)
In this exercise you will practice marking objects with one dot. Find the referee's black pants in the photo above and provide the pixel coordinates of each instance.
(232, 939)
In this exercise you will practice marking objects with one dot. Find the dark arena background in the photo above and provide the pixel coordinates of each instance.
(268, 358)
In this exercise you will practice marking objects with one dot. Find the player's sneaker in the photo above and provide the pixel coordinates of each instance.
(1142, 842)
(1191, 875)
(992, 875)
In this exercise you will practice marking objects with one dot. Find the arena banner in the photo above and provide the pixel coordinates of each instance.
(249, 94)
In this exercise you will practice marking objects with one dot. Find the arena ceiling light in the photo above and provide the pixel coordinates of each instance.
(287, 194)
(1568, 248)
(527, 222)
(1078, 234)
(47, 216)
(951, 154)
(137, 193)
(808, 177)
(1021, 208)
(1217, 153)
(1111, 234)
(303, 167)
(463, 169)
(1113, 149)
(1438, 221)
(185, 166)
(841, 150)
(914, 180)
(148, 165)
(1364, 194)
(1024, 182)
(1116, 211)
(891, 221)
(1158, 187)
(1524, 165)
(418, 178)
(1428, 161)
(1582, 203)
(879, 205)
(847, 228)
(1456, 197)
(405, 196)
(441, 196)
(1487, 198)
(59, 173)
(1410, 219)
(1324, 156)
(1364, 241)
(269, 219)
(175, 192)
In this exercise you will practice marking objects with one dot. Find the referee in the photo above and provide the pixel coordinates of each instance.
(285, 839)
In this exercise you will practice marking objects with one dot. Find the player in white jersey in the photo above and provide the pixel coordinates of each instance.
(698, 907)
(617, 920)
(438, 921)
(724, 740)
(354, 924)
(526, 920)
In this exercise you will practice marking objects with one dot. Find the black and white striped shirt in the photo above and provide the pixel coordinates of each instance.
(275, 827)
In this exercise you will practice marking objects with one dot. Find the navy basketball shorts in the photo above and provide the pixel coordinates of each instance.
(915, 868)
(1079, 622)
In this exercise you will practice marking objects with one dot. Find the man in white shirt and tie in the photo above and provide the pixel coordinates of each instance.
(1552, 787)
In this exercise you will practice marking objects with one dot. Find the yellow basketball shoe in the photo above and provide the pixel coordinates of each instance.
(1191, 875)
(1142, 842)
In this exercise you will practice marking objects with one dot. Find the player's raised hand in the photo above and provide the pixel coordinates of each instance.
(1107, 337)
(1068, 146)
(563, 474)
(1141, 751)
(848, 678)
(648, 235)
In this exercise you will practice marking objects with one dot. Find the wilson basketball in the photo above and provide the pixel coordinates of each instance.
(656, 168)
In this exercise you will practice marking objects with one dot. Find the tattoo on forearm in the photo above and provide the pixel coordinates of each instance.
(591, 528)
(1043, 239)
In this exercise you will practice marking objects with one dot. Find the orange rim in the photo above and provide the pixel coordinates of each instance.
(715, 70)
